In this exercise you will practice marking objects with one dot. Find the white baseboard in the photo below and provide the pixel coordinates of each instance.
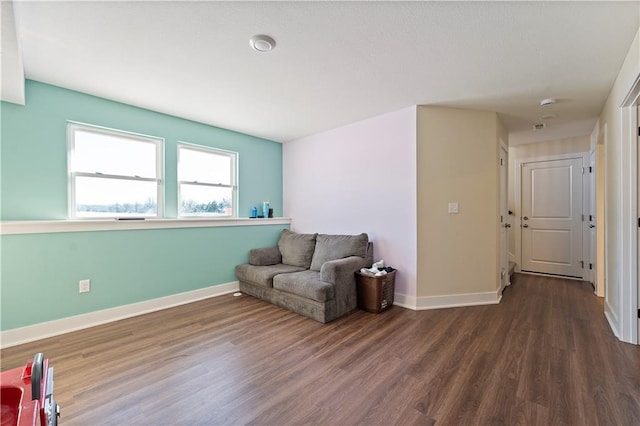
(447, 301)
(43, 330)
(458, 300)
(612, 318)
(404, 301)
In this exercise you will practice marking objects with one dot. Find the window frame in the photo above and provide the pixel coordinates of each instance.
(234, 158)
(72, 127)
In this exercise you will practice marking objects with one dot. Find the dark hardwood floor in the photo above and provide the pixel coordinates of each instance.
(545, 355)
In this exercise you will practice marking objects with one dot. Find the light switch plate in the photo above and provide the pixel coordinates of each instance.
(453, 207)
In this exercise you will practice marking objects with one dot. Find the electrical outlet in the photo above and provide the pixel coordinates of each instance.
(453, 207)
(84, 286)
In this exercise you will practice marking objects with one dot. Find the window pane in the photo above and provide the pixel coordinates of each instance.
(110, 154)
(198, 200)
(102, 197)
(205, 167)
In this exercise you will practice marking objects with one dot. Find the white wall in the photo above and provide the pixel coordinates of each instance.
(359, 178)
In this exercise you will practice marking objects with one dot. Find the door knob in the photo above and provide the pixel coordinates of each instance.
(525, 226)
(591, 225)
(525, 218)
(507, 225)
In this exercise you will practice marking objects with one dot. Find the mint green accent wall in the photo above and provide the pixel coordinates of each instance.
(34, 151)
(39, 273)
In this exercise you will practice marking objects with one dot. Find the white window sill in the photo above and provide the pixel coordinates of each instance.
(89, 225)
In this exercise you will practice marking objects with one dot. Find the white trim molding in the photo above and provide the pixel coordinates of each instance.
(612, 318)
(30, 333)
(404, 301)
(51, 226)
(458, 300)
(447, 301)
(629, 213)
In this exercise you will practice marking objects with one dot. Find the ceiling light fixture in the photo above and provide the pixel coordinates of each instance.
(262, 43)
(547, 102)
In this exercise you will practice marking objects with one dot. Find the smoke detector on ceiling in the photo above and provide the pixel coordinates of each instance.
(262, 43)
(539, 126)
(547, 102)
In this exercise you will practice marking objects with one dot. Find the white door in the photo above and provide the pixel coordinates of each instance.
(592, 220)
(552, 217)
(504, 220)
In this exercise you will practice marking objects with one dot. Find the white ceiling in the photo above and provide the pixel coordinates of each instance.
(335, 62)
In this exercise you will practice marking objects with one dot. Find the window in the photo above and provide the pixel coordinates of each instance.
(206, 181)
(113, 173)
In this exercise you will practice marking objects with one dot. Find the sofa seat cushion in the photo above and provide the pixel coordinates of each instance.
(263, 275)
(333, 247)
(305, 284)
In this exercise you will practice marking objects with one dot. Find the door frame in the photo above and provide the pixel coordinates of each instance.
(517, 227)
(630, 211)
(593, 208)
(504, 245)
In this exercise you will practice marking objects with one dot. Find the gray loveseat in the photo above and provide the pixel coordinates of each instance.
(311, 274)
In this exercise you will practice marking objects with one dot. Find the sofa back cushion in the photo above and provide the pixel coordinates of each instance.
(332, 247)
(296, 249)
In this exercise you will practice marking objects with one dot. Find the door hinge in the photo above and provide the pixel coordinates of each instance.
(590, 265)
(582, 264)
(638, 131)
(638, 313)
(583, 218)
(639, 222)
(583, 170)
(501, 162)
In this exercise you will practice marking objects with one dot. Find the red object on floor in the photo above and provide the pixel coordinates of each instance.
(27, 395)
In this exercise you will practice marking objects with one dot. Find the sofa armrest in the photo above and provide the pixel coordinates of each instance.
(341, 273)
(265, 256)
(335, 271)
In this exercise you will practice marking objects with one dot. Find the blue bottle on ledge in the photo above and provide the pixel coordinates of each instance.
(265, 209)
(254, 212)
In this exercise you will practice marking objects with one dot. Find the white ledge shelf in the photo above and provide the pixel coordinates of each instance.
(90, 225)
